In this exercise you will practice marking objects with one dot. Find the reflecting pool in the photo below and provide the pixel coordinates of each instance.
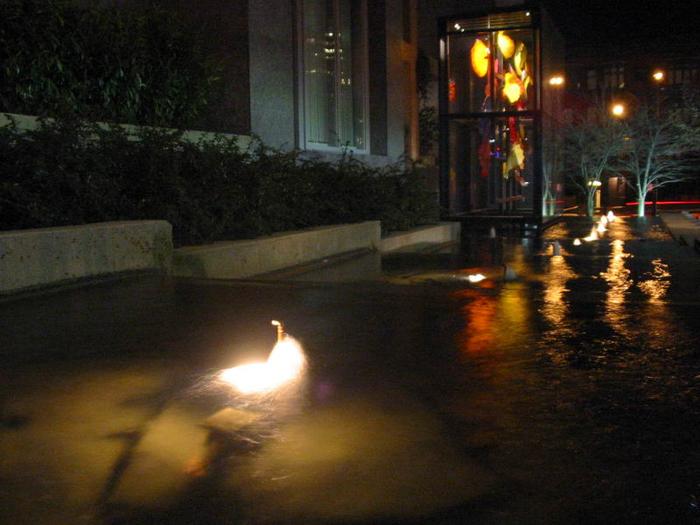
(566, 394)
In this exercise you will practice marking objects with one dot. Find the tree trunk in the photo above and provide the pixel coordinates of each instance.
(590, 203)
(641, 199)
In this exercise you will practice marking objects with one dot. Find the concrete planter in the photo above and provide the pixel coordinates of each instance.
(241, 259)
(434, 234)
(47, 256)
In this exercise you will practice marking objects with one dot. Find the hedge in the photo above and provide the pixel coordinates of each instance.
(72, 172)
(139, 65)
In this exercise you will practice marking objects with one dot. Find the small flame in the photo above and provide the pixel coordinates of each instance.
(593, 236)
(577, 242)
(285, 363)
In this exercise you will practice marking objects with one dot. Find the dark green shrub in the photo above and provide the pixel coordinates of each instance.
(133, 65)
(70, 172)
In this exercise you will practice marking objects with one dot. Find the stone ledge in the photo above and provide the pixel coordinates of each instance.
(246, 258)
(438, 233)
(48, 256)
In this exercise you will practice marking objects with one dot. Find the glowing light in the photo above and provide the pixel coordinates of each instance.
(480, 58)
(285, 363)
(618, 110)
(476, 278)
(577, 242)
(556, 80)
(458, 27)
(611, 216)
(594, 183)
(658, 75)
(601, 228)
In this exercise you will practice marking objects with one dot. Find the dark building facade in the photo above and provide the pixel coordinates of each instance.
(324, 76)
(655, 74)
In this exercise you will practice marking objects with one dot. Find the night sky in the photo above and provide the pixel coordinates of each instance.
(595, 24)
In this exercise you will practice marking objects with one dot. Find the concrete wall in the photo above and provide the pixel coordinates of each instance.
(30, 122)
(435, 234)
(272, 48)
(35, 258)
(240, 259)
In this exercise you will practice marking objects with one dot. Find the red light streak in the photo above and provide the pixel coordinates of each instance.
(649, 203)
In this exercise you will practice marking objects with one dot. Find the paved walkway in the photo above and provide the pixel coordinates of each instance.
(683, 228)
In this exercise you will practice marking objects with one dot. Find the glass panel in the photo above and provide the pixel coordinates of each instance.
(469, 67)
(514, 70)
(513, 164)
(357, 81)
(344, 81)
(464, 182)
(319, 71)
(334, 72)
(552, 166)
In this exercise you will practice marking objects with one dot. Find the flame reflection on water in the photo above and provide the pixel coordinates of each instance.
(619, 282)
(658, 283)
(555, 306)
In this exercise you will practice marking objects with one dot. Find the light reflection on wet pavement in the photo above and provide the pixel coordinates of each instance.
(567, 395)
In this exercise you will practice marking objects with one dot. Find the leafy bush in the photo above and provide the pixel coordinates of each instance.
(70, 172)
(133, 65)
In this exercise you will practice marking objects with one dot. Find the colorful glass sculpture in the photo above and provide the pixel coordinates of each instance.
(512, 88)
(520, 59)
(480, 58)
(505, 44)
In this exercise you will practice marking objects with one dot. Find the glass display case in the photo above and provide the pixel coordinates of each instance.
(498, 121)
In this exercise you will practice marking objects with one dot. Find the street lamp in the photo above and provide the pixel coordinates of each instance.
(618, 110)
(658, 75)
(556, 80)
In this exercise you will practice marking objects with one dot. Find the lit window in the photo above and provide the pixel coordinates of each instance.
(334, 74)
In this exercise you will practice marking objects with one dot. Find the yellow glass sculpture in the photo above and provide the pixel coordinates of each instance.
(520, 59)
(480, 58)
(516, 158)
(512, 88)
(505, 44)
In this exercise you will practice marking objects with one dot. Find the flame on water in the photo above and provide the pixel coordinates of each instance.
(285, 363)
(593, 236)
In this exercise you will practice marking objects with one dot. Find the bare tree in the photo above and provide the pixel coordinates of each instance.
(592, 142)
(658, 151)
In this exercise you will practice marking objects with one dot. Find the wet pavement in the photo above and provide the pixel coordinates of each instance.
(570, 394)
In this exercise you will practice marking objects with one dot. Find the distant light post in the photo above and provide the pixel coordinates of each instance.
(556, 81)
(658, 76)
(618, 110)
